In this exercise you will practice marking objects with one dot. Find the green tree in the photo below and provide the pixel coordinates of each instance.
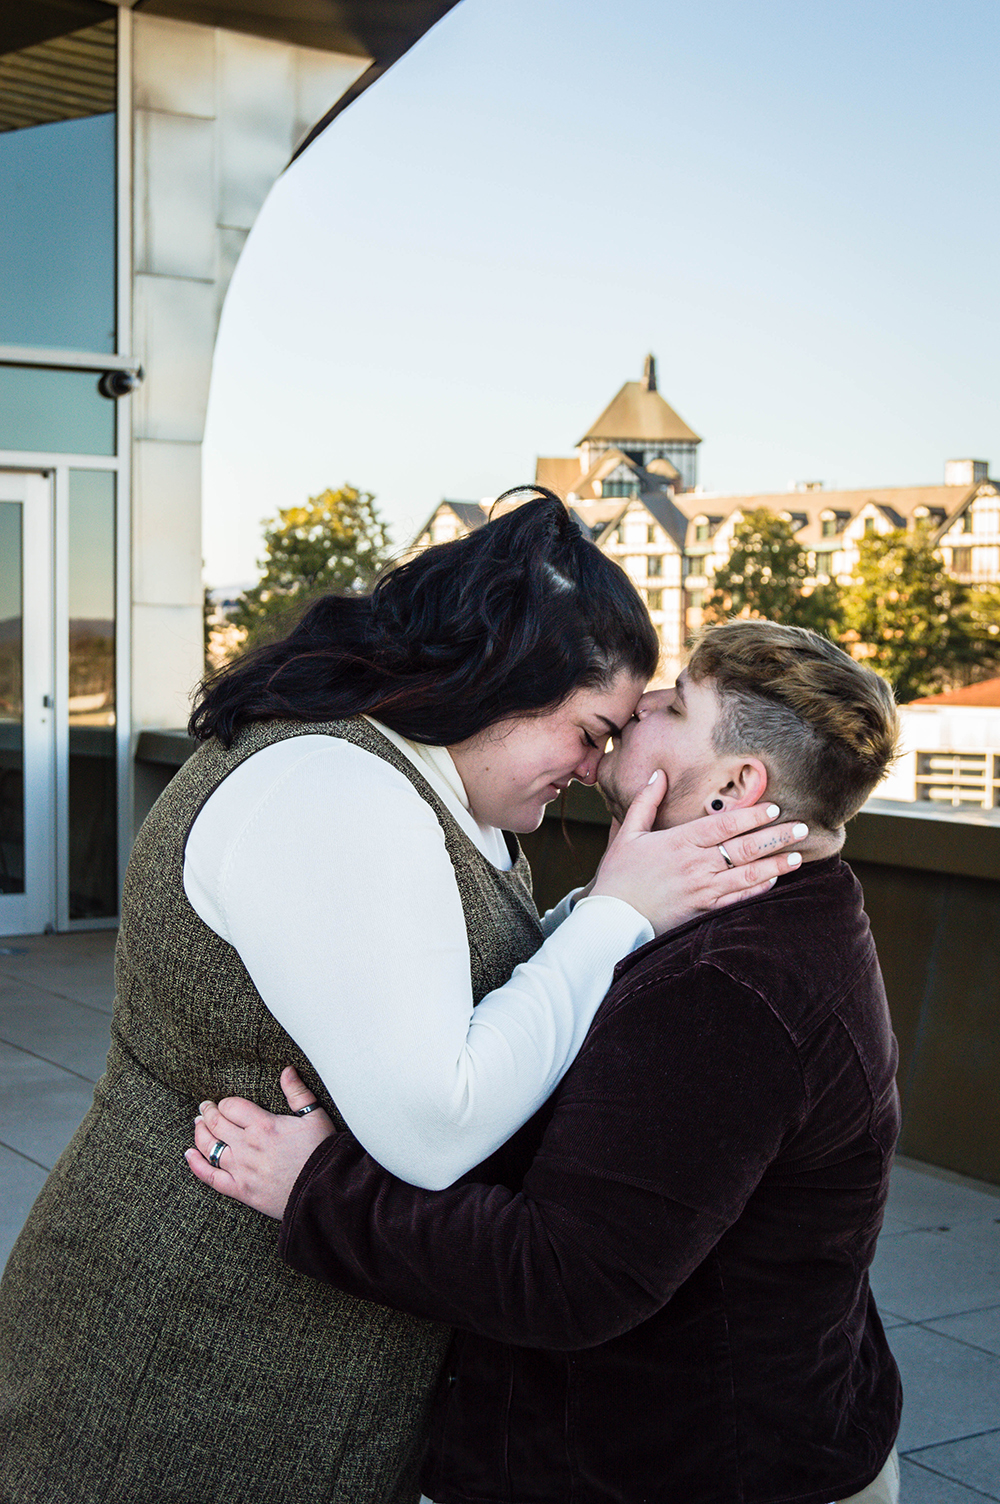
(766, 574)
(337, 541)
(982, 622)
(910, 620)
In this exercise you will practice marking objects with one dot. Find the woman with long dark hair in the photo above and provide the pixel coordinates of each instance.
(327, 884)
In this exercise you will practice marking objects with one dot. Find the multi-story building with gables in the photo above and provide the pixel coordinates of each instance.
(633, 487)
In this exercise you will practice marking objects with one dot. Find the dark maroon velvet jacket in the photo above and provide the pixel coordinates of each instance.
(661, 1283)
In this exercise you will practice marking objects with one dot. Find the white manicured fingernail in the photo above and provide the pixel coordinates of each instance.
(654, 777)
(799, 832)
(199, 1118)
(794, 858)
(773, 811)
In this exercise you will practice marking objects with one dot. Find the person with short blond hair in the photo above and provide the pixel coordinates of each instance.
(661, 1283)
(827, 725)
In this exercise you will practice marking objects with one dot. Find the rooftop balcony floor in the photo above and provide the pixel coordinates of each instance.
(936, 1278)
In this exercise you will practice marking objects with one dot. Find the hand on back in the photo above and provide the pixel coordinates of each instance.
(262, 1152)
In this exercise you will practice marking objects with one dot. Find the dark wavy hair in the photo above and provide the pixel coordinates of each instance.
(508, 621)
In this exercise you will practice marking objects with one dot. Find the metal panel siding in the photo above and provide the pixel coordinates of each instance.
(256, 124)
(175, 324)
(167, 524)
(320, 80)
(167, 663)
(175, 195)
(174, 68)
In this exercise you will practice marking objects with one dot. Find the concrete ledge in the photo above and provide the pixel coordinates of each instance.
(961, 842)
(170, 749)
(158, 755)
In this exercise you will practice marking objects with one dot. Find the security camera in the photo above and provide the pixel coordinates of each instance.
(119, 383)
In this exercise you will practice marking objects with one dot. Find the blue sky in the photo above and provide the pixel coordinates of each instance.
(793, 205)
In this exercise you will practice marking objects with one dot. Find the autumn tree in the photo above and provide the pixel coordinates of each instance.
(983, 623)
(766, 575)
(912, 622)
(337, 541)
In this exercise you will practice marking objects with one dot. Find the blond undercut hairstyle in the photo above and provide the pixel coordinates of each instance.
(824, 726)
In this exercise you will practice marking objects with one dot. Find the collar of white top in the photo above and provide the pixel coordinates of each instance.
(438, 767)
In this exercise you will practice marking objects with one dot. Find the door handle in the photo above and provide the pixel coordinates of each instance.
(48, 703)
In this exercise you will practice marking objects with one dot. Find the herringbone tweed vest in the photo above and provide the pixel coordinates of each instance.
(152, 1347)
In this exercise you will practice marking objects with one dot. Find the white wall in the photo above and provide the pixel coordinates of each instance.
(925, 728)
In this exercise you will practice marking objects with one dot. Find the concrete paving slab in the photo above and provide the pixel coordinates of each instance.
(974, 1461)
(41, 1105)
(927, 1275)
(950, 1390)
(73, 1035)
(79, 966)
(919, 1486)
(921, 1196)
(22, 1182)
(977, 1328)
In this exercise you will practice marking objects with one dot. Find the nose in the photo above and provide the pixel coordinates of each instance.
(586, 769)
(654, 699)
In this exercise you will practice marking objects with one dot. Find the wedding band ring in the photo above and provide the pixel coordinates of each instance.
(303, 1112)
(216, 1152)
(725, 856)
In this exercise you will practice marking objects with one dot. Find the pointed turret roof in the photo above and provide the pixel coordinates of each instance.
(638, 414)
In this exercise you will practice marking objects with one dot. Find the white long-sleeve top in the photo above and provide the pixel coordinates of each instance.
(325, 869)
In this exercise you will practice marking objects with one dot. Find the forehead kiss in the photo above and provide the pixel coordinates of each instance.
(672, 730)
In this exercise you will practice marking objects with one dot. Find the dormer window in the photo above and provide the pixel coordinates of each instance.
(701, 532)
(829, 527)
(620, 485)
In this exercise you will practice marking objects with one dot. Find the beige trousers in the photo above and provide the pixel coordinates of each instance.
(885, 1488)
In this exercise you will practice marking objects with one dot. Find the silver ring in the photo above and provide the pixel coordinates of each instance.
(216, 1152)
(725, 856)
(303, 1112)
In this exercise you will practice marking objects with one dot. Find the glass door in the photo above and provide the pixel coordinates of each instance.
(27, 716)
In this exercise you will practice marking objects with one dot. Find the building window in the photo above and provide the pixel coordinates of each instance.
(869, 527)
(824, 562)
(829, 528)
(961, 560)
(696, 599)
(701, 533)
(57, 163)
(654, 564)
(654, 600)
(651, 534)
(628, 487)
(967, 522)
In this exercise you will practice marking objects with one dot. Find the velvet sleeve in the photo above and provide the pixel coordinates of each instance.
(677, 1103)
